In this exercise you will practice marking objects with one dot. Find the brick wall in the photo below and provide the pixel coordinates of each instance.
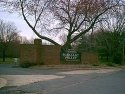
(49, 54)
(27, 53)
(40, 54)
(89, 58)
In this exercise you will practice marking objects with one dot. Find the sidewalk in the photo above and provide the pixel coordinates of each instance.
(3, 82)
(20, 80)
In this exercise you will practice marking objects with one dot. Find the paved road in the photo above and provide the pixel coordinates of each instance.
(73, 82)
(15, 70)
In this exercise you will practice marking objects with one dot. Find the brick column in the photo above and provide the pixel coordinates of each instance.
(38, 46)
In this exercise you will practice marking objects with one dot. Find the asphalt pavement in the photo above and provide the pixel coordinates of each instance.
(55, 81)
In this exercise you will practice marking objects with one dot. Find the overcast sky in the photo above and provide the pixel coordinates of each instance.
(19, 23)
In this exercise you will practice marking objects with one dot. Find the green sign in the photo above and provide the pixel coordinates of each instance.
(71, 55)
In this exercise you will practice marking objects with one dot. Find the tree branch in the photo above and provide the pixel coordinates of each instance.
(91, 26)
(42, 37)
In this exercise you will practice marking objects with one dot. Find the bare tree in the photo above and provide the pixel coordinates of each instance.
(8, 33)
(76, 16)
(33, 12)
(80, 15)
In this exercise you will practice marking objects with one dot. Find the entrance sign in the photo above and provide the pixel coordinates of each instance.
(71, 55)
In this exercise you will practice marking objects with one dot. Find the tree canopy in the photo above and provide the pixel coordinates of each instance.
(75, 17)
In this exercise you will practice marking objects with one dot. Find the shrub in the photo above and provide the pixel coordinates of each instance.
(95, 64)
(117, 58)
(110, 64)
(26, 65)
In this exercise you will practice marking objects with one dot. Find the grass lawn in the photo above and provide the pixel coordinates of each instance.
(7, 61)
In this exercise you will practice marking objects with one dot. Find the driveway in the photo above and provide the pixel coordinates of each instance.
(55, 81)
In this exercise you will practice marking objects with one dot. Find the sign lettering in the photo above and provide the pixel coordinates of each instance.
(70, 55)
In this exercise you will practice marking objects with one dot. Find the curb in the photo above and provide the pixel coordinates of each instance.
(74, 67)
(3, 82)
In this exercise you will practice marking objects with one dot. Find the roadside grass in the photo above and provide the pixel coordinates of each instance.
(110, 64)
(100, 64)
(7, 61)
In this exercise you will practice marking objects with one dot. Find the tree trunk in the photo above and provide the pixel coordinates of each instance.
(66, 46)
(107, 57)
(3, 52)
